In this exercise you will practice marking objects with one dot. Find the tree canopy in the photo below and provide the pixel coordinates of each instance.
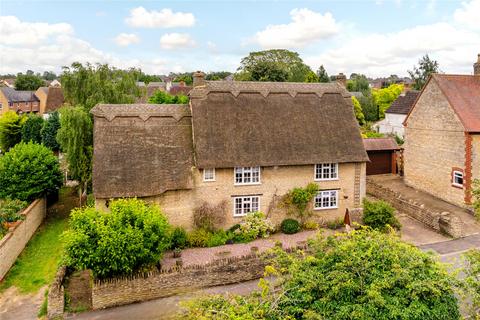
(358, 82)
(384, 97)
(322, 75)
(49, 132)
(162, 97)
(217, 75)
(31, 128)
(10, 130)
(89, 84)
(28, 81)
(357, 109)
(362, 275)
(420, 74)
(273, 65)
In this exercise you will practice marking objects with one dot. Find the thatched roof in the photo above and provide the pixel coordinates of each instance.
(267, 124)
(141, 150)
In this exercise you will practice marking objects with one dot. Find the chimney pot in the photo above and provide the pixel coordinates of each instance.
(198, 79)
(476, 67)
(341, 79)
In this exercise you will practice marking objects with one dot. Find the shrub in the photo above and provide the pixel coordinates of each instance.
(10, 130)
(311, 225)
(218, 238)
(362, 275)
(29, 171)
(10, 210)
(379, 214)
(199, 238)
(161, 97)
(290, 226)
(335, 224)
(472, 282)
(210, 217)
(179, 238)
(131, 237)
(31, 128)
(254, 226)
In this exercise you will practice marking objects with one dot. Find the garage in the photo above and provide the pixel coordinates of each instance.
(382, 153)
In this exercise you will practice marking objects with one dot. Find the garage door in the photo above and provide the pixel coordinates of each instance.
(380, 162)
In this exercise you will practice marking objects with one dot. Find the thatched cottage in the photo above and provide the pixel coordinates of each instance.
(243, 143)
(442, 137)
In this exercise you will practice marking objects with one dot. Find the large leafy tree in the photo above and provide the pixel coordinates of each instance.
(420, 74)
(322, 75)
(357, 109)
(89, 84)
(29, 171)
(271, 65)
(384, 97)
(49, 75)
(75, 139)
(311, 77)
(28, 81)
(362, 275)
(31, 129)
(358, 82)
(49, 132)
(10, 130)
(162, 97)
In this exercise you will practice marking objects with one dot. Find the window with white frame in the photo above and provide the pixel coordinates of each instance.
(209, 174)
(457, 178)
(327, 199)
(245, 204)
(326, 171)
(247, 175)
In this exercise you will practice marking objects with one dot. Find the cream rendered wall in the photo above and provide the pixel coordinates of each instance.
(275, 182)
(393, 123)
(434, 144)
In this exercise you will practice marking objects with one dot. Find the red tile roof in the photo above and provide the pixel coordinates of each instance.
(463, 94)
(378, 144)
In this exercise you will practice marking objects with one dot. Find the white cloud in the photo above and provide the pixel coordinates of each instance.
(394, 53)
(16, 32)
(165, 18)
(126, 39)
(469, 14)
(306, 27)
(172, 41)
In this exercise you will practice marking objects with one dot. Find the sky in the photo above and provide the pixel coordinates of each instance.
(376, 38)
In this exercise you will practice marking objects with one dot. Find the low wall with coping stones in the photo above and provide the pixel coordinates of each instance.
(56, 299)
(158, 284)
(439, 221)
(13, 243)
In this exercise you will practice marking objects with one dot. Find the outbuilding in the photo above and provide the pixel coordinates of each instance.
(383, 155)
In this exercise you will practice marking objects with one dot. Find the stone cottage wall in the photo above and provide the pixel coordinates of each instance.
(159, 284)
(56, 299)
(15, 240)
(434, 144)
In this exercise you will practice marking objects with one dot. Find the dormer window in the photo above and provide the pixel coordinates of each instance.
(247, 175)
(209, 174)
(326, 171)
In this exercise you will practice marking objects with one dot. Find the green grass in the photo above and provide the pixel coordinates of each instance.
(37, 264)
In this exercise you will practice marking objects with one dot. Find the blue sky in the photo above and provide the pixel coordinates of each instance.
(373, 37)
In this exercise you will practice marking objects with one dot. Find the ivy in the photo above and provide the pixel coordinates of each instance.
(298, 200)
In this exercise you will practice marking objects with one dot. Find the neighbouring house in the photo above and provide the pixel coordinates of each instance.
(51, 99)
(442, 137)
(396, 114)
(8, 83)
(243, 144)
(177, 88)
(383, 155)
(18, 101)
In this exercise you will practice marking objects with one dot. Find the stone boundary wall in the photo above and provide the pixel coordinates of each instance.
(439, 221)
(158, 284)
(13, 243)
(56, 299)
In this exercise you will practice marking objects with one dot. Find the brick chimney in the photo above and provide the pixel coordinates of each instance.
(198, 79)
(476, 67)
(341, 79)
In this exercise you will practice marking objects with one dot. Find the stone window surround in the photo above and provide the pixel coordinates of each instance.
(319, 171)
(208, 174)
(452, 177)
(319, 197)
(243, 200)
(244, 171)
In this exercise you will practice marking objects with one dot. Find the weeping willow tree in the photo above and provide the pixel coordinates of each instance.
(89, 84)
(76, 141)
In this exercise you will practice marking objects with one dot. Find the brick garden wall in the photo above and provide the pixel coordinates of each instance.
(17, 238)
(440, 221)
(120, 291)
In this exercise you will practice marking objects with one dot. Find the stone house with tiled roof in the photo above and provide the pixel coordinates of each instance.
(245, 144)
(442, 137)
(397, 112)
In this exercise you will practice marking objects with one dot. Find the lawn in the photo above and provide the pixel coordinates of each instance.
(37, 264)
